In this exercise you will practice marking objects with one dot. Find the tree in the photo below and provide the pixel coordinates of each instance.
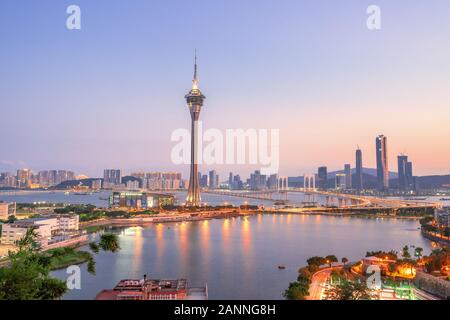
(29, 241)
(405, 252)
(296, 291)
(27, 276)
(418, 252)
(349, 290)
(344, 261)
(94, 247)
(330, 259)
(316, 261)
(109, 242)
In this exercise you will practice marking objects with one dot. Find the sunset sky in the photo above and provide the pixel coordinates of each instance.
(111, 94)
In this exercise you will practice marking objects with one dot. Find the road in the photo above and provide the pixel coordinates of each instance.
(318, 281)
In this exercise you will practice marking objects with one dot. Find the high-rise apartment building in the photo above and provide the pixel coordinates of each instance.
(382, 163)
(322, 178)
(348, 176)
(359, 170)
(112, 176)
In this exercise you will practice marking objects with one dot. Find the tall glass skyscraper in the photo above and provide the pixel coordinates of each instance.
(359, 170)
(348, 176)
(322, 175)
(402, 161)
(382, 163)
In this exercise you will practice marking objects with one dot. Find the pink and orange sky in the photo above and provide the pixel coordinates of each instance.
(111, 94)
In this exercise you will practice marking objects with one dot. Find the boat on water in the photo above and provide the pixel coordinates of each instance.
(281, 267)
(444, 199)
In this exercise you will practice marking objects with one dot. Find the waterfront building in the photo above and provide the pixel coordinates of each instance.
(442, 217)
(405, 174)
(112, 176)
(24, 177)
(13, 232)
(237, 183)
(272, 182)
(68, 222)
(340, 181)
(133, 185)
(140, 200)
(348, 176)
(322, 178)
(204, 182)
(59, 223)
(409, 178)
(257, 181)
(402, 160)
(194, 101)
(8, 180)
(382, 163)
(213, 180)
(96, 184)
(51, 229)
(50, 178)
(359, 170)
(160, 180)
(7, 210)
(153, 289)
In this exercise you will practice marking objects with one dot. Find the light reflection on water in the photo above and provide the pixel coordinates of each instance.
(238, 257)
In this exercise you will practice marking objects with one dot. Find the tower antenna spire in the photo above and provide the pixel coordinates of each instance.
(195, 66)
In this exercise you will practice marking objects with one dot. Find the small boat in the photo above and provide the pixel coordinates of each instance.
(281, 267)
(444, 199)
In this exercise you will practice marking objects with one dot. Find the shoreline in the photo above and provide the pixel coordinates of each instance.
(140, 221)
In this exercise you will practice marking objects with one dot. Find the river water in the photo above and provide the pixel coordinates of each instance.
(237, 258)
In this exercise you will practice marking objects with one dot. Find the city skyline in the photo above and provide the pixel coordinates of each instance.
(94, 101)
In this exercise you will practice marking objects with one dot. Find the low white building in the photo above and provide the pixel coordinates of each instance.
(46, 227)
(69, 222)
(50, 221)
(13, 232)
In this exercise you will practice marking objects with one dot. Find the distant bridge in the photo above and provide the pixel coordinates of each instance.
(344, 201)
(258, 195)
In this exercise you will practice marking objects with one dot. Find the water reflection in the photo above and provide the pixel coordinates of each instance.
(138, 245)
(238, 257)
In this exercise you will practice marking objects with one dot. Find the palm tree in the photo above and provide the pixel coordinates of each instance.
(29, 241)
(406, 253)
(344, 260)
(418, 252)
(109, 242)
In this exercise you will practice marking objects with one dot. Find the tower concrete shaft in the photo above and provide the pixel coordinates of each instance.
(194, 101)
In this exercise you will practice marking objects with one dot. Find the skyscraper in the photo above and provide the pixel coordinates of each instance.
(402, 161)
(213, 179)
(348, 176)
(24, 177)
(382, 163)
(340, 181)
(322, 178)
(359, 170)
(410, 182)
(112, 176)
(194, 101)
